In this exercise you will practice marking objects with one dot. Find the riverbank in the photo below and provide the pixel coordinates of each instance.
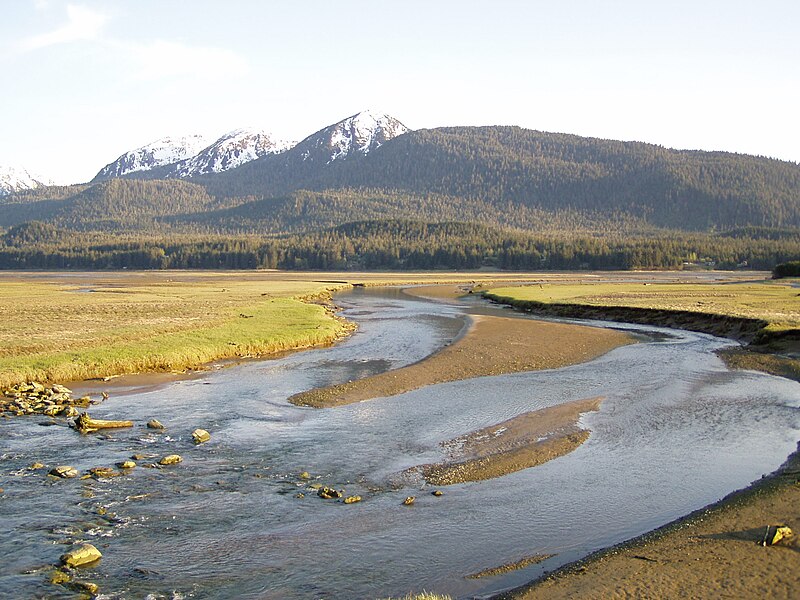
(491, 346)
(764, 316)
(713, 552)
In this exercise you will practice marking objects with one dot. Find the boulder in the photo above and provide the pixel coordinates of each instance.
(126, 464)
(155, 424)
(200, 436)
(64, 471)
(81, 555)
(352, 499)
(171, 459)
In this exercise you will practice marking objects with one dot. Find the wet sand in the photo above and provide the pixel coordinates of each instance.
(492, 346)
(524, 441)
(712, 553)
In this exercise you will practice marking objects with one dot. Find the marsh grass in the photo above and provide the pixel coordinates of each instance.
(57, 332)
(776, 303)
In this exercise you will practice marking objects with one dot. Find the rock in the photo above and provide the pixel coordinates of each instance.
(126, 464)
(82, 555)
(87, 587)
(315, 486)
(437, 493)
(329, 493)
(305, 475)
(155, 424)
(200, 436)
(59, 577)
(409, 500)
(300, 495)
(64, 471)
(85, 424)
(60, 389)
(36, 466)
(142, 456)
(776, 533)
(352, 499)
(171, 459)
(100, 472)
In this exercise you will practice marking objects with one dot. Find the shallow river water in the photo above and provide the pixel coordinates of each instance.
(677, 431)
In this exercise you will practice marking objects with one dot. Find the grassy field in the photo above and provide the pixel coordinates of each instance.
(61, 329)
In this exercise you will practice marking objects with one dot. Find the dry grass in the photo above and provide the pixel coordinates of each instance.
(775, 302)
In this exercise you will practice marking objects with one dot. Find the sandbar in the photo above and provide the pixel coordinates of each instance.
(492, 346)
(527, 440)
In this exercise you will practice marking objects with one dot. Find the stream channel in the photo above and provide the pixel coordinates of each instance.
(676, 431)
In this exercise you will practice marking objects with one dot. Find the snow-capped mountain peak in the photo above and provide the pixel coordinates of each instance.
(230, 151)
(359, 134)
(162, 152)
(16, 179)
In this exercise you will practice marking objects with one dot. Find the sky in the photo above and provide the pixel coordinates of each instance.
(84, 81)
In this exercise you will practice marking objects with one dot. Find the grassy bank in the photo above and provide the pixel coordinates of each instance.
(98, 325)
(766, 315)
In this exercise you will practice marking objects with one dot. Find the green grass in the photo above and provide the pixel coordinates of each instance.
(56, 332)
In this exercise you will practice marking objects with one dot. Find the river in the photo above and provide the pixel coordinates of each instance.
(677, 431)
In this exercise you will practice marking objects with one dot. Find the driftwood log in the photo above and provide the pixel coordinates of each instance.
(85, 424)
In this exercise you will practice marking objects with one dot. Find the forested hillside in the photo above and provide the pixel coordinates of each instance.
(500, 197)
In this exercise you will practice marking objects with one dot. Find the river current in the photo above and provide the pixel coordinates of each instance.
(677, 430)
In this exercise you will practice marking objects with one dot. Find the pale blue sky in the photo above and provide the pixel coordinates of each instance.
(85, 80)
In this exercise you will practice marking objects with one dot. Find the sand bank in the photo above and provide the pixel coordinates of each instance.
(492, 346)
(524, 441)
(712, 553)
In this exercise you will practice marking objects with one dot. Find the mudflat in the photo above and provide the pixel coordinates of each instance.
(492, 346)
(714, 553)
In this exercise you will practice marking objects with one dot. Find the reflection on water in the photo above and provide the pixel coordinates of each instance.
(677, 431)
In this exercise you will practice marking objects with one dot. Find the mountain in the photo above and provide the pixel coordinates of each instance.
(160, 153)
(511, 168)
(13, 179)
(354, 136)
(308, 163)
(370, 166)
(228, 152)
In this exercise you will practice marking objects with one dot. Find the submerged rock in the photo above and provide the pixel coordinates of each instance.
(64, 471)
(126, 464)
(305, 475)
(329, 493)
(59, 577)
(103, 472)
(200, 436)
(82, 555)
(437, 493)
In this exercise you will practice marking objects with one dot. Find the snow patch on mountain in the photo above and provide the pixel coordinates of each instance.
(230, 151)
(165, 151)
(16, 179)
(357, 135)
